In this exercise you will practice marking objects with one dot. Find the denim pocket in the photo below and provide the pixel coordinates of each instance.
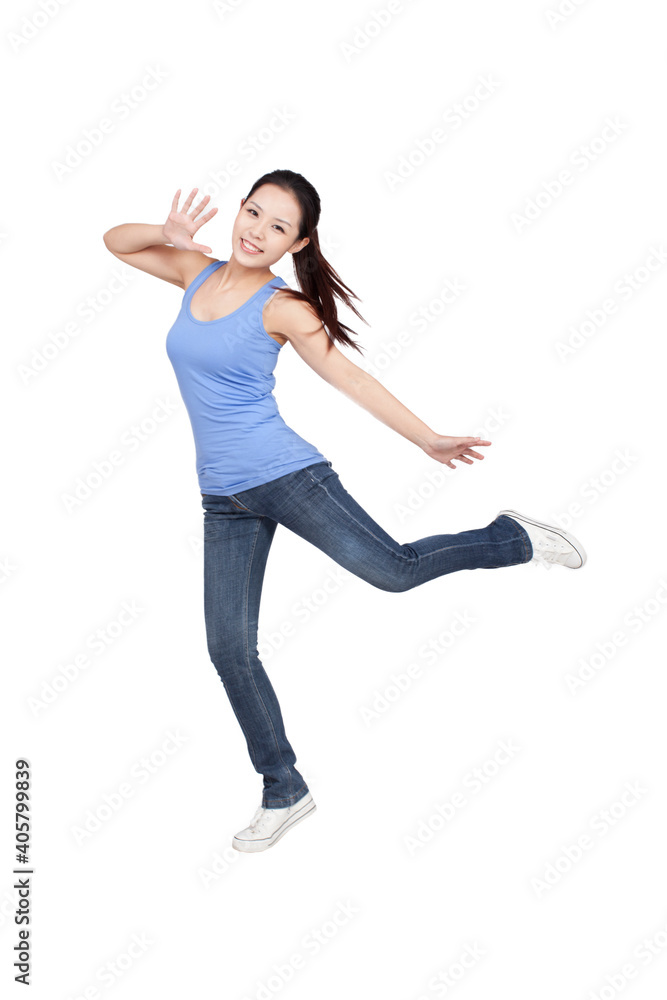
(237, 503)
(320, 471)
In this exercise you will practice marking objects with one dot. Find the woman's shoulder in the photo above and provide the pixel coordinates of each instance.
(288, 316)
(289, 306)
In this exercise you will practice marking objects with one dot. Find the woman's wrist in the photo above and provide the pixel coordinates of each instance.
(428, 441)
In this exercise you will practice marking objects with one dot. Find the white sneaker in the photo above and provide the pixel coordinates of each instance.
(551, 545)
(268, 825)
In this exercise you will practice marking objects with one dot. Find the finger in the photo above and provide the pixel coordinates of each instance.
(189, 200)
(200, 206)
(476, 454)
(174, 204)
(209, 215)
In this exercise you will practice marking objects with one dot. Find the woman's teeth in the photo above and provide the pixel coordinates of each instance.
(248, 247)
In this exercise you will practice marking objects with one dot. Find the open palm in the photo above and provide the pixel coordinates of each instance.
(181, 226)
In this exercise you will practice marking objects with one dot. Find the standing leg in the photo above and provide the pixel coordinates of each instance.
(236, 547)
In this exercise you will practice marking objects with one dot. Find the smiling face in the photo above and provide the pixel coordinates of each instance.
(269, 221)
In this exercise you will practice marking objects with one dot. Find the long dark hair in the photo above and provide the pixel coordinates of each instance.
(315, 275)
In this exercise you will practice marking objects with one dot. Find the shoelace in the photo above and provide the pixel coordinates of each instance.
(256, 822)
(546, 552)
(259, 819)
(539, 560)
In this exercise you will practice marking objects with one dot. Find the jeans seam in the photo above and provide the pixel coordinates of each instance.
(524, 536)
(247, 653)
(406, 561)
(352, 517)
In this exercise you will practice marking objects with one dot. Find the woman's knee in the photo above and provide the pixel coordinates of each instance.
(394, 577)
(395, 586)
(226, 653)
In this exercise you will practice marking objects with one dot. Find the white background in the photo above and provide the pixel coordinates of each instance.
(363, 90)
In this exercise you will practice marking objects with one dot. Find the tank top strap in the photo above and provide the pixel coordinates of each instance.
(202, 276)
(270, 288)
(255, 305)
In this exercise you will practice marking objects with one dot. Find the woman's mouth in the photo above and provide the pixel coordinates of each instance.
(249, 248)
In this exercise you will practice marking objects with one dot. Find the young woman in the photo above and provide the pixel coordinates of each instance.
(255, 472)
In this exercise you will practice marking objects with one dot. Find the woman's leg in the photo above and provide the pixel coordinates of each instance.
(313, 503)
(236, 547)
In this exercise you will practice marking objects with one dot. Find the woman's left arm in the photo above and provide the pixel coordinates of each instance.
(315, 348)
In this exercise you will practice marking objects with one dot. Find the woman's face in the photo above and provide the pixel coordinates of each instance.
(269, 220)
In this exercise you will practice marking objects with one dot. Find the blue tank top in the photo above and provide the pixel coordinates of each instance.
(224, 369)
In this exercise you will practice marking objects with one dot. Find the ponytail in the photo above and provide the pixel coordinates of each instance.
(318, 281)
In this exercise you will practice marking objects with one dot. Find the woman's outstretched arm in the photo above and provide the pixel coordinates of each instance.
(297, 321)
(167, 251)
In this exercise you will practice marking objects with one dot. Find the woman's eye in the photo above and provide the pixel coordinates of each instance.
(255, 213)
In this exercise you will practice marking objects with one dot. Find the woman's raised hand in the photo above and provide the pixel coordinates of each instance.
(181, 226)
(445, 449)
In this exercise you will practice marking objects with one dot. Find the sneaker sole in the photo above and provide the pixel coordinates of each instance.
(253, 846)
(574, 542)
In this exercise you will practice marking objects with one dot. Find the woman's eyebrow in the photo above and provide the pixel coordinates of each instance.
(275, 217)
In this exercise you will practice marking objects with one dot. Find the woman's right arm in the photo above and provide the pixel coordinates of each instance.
(166, 251)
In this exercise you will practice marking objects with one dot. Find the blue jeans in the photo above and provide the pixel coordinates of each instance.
(313, 503)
